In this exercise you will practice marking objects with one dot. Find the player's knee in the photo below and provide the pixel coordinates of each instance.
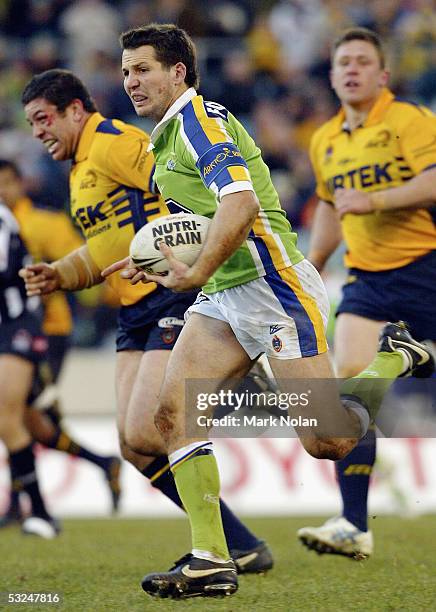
(164, 419)
(143, 444)
(334, 449)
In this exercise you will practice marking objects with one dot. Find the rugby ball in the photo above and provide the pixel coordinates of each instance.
(185, 233)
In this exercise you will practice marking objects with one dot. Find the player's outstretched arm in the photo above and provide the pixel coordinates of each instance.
(73, 272)
(40, 279)
(325, 234)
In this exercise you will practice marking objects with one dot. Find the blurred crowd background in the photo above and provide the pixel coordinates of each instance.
(267, 61)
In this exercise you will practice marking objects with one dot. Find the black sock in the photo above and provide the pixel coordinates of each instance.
(238, 536)
(13, 505)
(354, 473)
(61, 441)
(53, 413)
(24, 479)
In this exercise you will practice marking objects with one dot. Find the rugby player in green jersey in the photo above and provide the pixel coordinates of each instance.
(259, 296)
(111, 197)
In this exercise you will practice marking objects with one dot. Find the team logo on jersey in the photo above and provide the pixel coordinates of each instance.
(221, 157)
(381, 139)
(89, 181)
(277, 344)
(171, 164)
(273, 329)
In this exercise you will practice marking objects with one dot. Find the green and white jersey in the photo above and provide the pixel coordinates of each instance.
(202, 154)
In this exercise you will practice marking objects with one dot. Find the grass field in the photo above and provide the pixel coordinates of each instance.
(97, 566)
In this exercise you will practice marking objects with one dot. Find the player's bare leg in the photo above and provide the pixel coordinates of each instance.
(207, 350)
(15, 381)
(16, 376)
(127, 367)
(352, 357)
(139, 380)
(139, 429)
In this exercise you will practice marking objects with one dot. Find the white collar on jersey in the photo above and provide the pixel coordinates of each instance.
(170, 114)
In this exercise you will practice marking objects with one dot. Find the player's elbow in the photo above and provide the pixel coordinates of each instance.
(252, 203)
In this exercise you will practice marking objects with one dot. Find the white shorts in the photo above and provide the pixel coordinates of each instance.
(283, 314)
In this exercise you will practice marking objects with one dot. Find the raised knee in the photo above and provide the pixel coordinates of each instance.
(139, 443)
(334, 449)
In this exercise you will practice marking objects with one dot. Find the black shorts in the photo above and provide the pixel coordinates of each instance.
(23, 337)
(407, 293)
(153, 323)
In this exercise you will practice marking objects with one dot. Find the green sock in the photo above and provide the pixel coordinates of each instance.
(198, 484)
(372, 384)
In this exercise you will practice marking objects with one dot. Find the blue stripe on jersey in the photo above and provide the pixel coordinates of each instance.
(216, 159)
(263, 252)
(194, 130)
(135, 203)
(429, 167)
(290, 303)
(107, 127)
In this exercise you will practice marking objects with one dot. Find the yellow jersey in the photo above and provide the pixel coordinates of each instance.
(112, 194)
(49, 235)
(396, 142)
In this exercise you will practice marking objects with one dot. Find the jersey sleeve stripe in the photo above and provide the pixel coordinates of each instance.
(212, 127)
(239, 173)
(218, 161)
(235, 187)
(194, 130)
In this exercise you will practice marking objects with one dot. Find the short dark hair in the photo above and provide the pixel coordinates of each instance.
(59, 87)
(171, 45)
(8, 164)
(361, 34)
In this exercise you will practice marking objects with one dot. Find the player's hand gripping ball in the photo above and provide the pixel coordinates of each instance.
(185, 233)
